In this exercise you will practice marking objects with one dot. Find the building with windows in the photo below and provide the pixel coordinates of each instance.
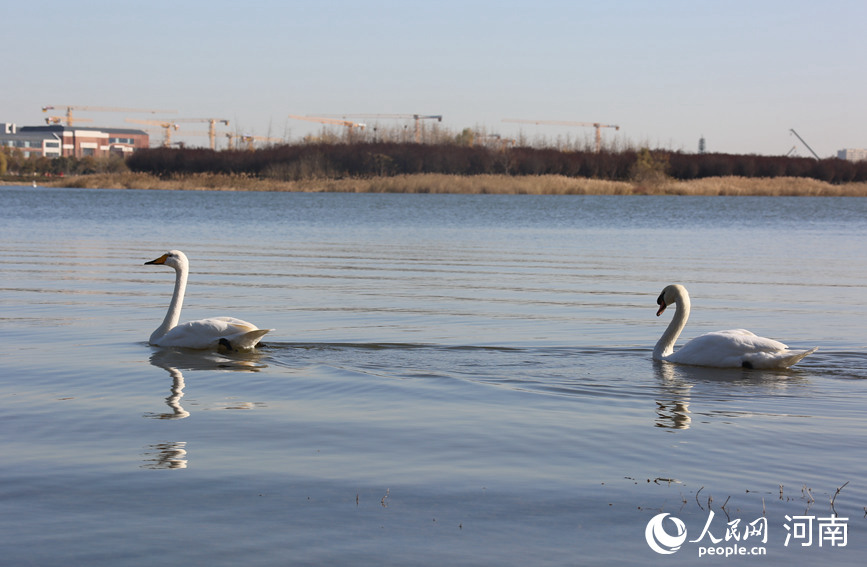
(56, 140)
(852, 154)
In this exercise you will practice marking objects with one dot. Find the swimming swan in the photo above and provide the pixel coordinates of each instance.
(215, 332)
(722, 349)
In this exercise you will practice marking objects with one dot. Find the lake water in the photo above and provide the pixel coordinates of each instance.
(451, 380)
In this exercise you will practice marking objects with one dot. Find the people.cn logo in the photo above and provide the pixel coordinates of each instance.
(659, 540)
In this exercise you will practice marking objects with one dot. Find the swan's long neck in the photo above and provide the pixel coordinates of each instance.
(665, 345)
(173, 315)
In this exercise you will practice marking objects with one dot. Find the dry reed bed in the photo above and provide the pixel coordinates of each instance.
(477, 184)
(772, 187)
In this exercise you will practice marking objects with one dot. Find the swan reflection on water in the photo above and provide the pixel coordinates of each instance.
(173, 454)
(168, 455)
(672, 410)
(173, 360)
(678, 385)
(174, 400)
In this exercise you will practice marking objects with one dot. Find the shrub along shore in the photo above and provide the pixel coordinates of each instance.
(463, 184)
(468, 168)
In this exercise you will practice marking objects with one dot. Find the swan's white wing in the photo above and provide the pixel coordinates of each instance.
(724, 348)
(230, 323)
(747, 341)
(206, 333)
(736, 348)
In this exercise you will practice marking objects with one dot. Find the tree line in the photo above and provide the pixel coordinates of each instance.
(13, 162)
(298, 162)
(329, 160)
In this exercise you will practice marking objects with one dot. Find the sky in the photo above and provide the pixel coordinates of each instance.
(739, 73)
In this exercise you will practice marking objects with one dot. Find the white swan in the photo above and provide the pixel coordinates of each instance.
(215, 332)
(722, 349)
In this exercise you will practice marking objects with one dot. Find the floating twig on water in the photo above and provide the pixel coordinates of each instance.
(834, 498)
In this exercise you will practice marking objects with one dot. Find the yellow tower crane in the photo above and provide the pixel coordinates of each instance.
(70, 119)
(596, 125)
(212, 127)
(188, 133)
(232, 140)
(349, 124)
(236, 139)
(416, 117)
(59, 119)
(500, 141)
(251, 139)
(165, 125)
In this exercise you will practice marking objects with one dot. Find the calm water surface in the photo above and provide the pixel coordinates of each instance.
(452, 380)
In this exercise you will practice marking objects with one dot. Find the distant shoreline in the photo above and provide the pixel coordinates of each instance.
(458, 184)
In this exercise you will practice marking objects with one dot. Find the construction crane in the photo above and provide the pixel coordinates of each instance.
(234, 140)
(58, 120)
(251, 139)
(349, 124)
(212, 127)
(596, 125)
(165, 125)
(70, 120)
(232, 137)
(792, 130)
(186, 133)
(503, 143)
(183, 144)
(416, 117)
(323, 120)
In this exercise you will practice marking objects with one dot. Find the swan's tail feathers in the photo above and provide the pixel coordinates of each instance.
(249, 339)
(795, 356)
(779, 359)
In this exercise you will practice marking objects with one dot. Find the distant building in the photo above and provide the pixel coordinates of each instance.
(57, 140)
(852, 154)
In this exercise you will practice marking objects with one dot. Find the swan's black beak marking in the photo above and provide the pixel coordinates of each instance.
(160, 260)
(661, 302)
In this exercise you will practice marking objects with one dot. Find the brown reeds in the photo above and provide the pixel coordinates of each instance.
(469, 184)
(766, 187)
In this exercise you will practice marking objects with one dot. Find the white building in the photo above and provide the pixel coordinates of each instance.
(852, 154)
(29, 143)
(55, 140)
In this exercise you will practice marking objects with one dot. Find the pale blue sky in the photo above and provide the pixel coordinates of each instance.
(740, 73)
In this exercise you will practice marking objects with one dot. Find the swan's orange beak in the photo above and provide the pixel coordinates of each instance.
(662, 307)
(160, 260)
